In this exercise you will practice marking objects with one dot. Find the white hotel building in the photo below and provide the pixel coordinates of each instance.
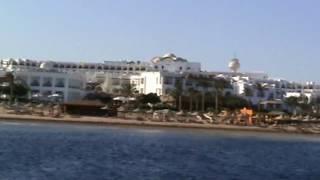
(45, 81)
(158, 76)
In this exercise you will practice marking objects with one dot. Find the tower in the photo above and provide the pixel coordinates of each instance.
(234, 65)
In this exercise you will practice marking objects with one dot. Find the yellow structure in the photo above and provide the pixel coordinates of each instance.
(246, 114)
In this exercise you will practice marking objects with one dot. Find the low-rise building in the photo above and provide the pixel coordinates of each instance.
(45, 81)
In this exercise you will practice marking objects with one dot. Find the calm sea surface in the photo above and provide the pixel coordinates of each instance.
(62, 151)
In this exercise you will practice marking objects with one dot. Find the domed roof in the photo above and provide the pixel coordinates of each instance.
(234, 65)
(155, 59)
(46, 65)
(169, 55)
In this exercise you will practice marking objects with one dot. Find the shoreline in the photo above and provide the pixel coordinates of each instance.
(111, 121)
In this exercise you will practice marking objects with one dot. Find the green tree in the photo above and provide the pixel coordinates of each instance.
(18, 90)
(128, 89)
(316, 104)
(261, 90)
(192, 93)
(248, 92)
(177, 93)
(292, 102)
(99, 95)
(234, 102)
(152, 98)
(219, 85)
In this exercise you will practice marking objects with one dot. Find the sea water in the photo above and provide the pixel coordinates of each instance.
(68, 151)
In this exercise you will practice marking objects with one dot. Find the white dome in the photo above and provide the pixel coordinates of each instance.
(155, 59)
(46, 65)
(234, 65)
(169, 55)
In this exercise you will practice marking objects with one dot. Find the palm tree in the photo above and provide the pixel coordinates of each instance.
(128, 89)
(219, 85)
(177, 93)
(260, 89)
(192, 93)
(196, 95)
(248, 92)
(292, 102)
(204, 83)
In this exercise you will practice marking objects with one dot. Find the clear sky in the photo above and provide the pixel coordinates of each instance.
(280, 37)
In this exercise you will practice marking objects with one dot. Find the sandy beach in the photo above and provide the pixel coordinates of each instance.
(130, 122)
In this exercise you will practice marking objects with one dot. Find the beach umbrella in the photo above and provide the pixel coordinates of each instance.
(180, 113)
(54, 95)
(137, 110)
(105, 107)
(40, 105)
(119, 98)
(121, 108)
(131, 98)
(28, 105)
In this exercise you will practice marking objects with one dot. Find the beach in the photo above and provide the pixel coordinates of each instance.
(131, 122)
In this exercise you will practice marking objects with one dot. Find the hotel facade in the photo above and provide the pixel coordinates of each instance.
(160, 76)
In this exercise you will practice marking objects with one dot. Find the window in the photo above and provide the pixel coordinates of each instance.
(142, 81)
(143, 69)
(35, 81)
(180, 68)
(111, 68)
(60, 82)
(137, 69)
(92, 67)
(125, 68)
(188, 68)
(119, 68)
(106, 67)
(75, 84)
(61, 66)
(168, 80)
(130, 68)
(141, 90)
(47, 82)
(156, 67)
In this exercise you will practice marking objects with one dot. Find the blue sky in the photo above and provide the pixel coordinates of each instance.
(281, 38)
